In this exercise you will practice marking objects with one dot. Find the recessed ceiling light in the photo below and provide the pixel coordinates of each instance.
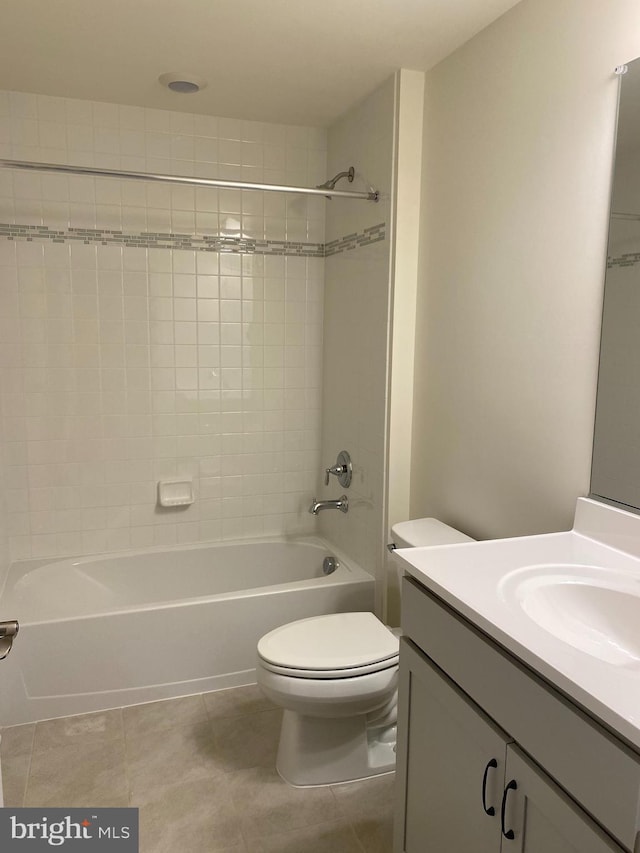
(181, 82)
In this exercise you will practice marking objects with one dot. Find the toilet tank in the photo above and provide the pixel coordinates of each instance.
(425, 531)
(415, 534)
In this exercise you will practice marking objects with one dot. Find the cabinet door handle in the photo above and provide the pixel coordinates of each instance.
(508, 833)
(490, 810)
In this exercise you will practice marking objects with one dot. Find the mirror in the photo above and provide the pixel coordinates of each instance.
(615, 473)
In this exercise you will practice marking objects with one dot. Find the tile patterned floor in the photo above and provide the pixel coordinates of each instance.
(201, 771)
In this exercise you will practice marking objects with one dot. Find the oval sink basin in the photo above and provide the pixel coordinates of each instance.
(591, 608)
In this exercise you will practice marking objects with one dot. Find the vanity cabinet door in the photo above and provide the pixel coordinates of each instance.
(451, 765)
(541, 817)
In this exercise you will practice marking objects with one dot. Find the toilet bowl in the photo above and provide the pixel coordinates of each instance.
(336, 676)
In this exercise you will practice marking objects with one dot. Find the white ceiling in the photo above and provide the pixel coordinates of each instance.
(290, 61)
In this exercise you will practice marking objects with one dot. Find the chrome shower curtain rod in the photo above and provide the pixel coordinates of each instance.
(184, 180)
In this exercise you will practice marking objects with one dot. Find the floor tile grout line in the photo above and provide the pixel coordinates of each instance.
(26, 782)
(357, 838)
(28, 776)
(127, 775)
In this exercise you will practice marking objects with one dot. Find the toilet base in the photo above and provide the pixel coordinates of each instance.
(325, 751)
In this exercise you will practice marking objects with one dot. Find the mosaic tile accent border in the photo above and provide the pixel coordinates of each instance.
(354, 241)
(192, 242)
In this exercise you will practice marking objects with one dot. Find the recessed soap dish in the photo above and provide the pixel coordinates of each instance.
(175, 492)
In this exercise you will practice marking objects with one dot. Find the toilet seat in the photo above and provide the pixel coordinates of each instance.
(347, 672)
(338, 645)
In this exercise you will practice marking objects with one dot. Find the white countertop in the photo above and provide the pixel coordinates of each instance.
(483, 581)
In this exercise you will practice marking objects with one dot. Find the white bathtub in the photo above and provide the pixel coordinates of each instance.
(101, 632)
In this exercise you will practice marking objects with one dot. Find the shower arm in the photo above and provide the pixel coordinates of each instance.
(371, 195)
(330, 184)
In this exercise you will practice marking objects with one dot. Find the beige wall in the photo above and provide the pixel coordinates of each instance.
(519, 127)
(406, 248)
(405, 256)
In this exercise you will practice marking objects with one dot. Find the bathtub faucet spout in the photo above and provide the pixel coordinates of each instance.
(342, 504)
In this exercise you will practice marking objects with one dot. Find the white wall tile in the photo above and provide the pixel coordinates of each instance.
(125, 365)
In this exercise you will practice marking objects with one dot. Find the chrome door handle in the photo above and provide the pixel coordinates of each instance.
(8, 631)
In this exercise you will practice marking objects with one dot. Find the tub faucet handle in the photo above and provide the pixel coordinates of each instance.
(342, 470)
(335, 469)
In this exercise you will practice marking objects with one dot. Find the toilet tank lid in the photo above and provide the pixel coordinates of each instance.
(425, 531)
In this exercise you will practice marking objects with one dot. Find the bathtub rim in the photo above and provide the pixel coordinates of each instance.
(350, 571)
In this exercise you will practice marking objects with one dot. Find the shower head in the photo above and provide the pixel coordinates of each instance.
(330, 184)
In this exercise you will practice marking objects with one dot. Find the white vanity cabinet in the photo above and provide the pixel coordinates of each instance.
(542, 818)
(446, 751)
(491, 759)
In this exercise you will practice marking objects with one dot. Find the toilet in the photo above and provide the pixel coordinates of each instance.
(336, 677)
